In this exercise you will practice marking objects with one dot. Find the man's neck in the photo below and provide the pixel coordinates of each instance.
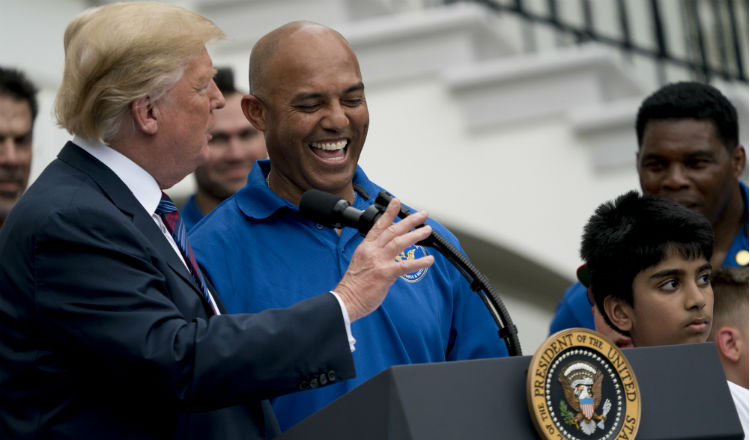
(733, 373)
(293, 193)
(205, 202)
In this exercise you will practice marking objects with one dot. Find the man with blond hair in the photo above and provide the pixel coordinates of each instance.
(110, 329)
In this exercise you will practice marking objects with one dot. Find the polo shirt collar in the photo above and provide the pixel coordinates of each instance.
(257, 201)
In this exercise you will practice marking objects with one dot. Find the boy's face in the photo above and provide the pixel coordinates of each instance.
(672, 303)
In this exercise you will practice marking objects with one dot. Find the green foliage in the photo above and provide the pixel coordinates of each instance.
(566, 413)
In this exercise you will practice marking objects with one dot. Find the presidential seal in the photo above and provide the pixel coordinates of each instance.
(411, 253)
(580, 386)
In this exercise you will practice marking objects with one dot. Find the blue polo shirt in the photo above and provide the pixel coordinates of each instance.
(260, 253)
(190, 213)
(574, 309)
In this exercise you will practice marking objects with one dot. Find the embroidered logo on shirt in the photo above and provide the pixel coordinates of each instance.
(411, 253)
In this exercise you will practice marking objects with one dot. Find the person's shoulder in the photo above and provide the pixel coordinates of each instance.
(190, 213)
(442, 230)
(573, 310)
(739, 394)
(55, 191)
(67, 210)
(575, 292)
(373, 188)
(221, 220)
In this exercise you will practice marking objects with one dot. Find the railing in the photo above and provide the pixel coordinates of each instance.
(706, 39)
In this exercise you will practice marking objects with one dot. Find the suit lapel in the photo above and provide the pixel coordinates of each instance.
(149, 228)
(116, 191)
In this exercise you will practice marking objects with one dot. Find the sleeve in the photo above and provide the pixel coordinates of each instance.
(573, 310)
(103, 297)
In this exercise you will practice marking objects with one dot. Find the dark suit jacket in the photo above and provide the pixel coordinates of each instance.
(104, 333)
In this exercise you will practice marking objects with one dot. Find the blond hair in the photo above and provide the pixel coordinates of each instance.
(730, 286)
(122, 52)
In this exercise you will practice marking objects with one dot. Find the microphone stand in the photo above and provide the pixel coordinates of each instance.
(478, 282)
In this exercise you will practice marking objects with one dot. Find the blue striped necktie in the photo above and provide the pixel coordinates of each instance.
(172, 220)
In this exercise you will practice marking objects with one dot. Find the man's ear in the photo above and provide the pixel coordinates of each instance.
(729, 343)
(619, 312)
(145, 115)
(738, 160)
(254, 111)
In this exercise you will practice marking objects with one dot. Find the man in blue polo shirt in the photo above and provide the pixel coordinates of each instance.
(688, 151)
(308, 99)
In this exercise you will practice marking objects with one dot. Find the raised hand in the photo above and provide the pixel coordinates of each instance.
(374, 267)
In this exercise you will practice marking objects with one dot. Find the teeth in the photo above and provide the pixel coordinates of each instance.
(330, 146)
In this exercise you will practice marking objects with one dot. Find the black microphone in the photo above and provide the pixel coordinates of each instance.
(333, 211)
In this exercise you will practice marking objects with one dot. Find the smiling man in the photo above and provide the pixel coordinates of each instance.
(689, 152)
(308, 98)
(18, 109)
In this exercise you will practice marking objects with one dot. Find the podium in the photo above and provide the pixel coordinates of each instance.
(684, 395)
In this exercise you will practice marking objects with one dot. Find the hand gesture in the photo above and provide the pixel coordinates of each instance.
(374, 267)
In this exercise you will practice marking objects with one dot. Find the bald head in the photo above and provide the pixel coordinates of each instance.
(308, 99)
(276, 45)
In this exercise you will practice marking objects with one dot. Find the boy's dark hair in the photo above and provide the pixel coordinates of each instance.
(633, 233)
(15, 84)
(690, 100)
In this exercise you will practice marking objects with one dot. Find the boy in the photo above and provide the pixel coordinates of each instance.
(730, 332)
(647, 264)
(647, 268)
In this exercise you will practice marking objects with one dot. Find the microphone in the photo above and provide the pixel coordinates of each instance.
(332, 211)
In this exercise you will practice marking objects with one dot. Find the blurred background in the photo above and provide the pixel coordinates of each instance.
(508, 120)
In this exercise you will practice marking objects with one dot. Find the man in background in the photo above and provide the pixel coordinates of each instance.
(308, 98)
(234, 147)
(18, 109)
(730, 333)
(689, 152)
